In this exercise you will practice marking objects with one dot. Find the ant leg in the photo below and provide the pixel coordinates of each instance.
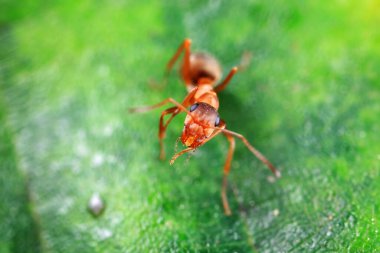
(227, 164)
(226, 171)
(162, 128)
(173, 110)
(225, 82)
(253, 150)
(181, 106)
(184, 46)
(186, 65)
(164, 102)
(179, 154)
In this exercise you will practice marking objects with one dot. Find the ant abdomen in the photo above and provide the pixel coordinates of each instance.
(204, 68)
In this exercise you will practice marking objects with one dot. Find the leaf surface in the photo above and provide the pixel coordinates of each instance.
(309, 100)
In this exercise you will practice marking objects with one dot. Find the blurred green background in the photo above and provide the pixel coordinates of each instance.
(309, 100)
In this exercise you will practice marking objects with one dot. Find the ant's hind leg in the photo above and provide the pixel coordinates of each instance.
(226, 171)
(184, 46)
(186, 75)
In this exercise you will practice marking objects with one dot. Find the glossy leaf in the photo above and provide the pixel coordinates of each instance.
(309, 100)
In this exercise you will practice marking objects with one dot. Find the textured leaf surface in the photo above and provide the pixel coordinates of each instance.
(309, 100)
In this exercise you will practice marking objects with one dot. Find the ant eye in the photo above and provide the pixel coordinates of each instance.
(193, 107)
(217, 121)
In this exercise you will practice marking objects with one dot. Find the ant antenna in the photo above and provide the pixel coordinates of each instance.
(176, 144)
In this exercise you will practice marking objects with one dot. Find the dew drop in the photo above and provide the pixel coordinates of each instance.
(96, 205)
(97, 159)
(276, 212)
(103, 233)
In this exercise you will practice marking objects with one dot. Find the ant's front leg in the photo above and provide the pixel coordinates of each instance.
(226, 171)
(227, 164)
(253, 150)
(162, 127)
(178, 108)
(162, 103)
(181, 106)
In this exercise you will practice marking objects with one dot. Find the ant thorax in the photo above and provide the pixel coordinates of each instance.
(206, 94)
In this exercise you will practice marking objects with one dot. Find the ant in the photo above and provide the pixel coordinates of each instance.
(201, 72)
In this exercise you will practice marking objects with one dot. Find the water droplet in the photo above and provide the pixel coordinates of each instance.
(271, 179)
(96, 205)
(108, 130)
(97, 159)
(276, 212)
(103, 233)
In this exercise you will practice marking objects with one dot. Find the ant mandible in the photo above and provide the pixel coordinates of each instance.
(201, 72)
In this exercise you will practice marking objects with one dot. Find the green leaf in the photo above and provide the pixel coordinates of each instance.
(309, 100)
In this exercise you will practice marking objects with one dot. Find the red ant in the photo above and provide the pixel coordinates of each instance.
(201, 72)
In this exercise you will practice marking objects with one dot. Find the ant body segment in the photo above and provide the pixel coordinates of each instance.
(201, 74)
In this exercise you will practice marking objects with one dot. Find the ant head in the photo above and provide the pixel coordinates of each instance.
(204, 66)
(198, 125)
